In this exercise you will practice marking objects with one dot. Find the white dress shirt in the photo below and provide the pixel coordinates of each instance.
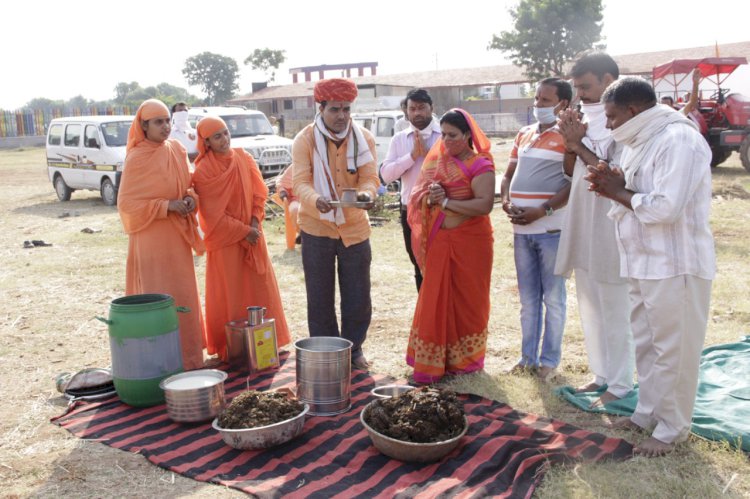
(667, 232)
(398, 163)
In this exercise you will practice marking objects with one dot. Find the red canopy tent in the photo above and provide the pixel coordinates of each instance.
(720, 67)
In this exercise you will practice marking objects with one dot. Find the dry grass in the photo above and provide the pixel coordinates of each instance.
(49, 297)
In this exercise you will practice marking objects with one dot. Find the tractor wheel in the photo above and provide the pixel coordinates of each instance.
(745, 153)
(719, 155)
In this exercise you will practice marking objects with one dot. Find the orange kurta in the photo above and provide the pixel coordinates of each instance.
(238, 274)
(160, 256)
(449, 329)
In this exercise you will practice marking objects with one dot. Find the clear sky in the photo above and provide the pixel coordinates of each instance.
(61, 49)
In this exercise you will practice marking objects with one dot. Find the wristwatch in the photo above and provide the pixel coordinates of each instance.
(548, 209)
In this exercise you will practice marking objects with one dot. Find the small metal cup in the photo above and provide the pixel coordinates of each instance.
(255, 315)
(349, 195)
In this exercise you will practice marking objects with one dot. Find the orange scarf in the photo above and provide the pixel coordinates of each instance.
(155, 173)
(225, 220)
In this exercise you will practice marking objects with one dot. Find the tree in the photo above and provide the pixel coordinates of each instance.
(123, 89)
(216, 75)
(43, 103)
(549, 33)
(265, 59)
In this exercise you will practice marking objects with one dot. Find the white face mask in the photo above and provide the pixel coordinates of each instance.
(180, 119)
(544, 115)
(596, 119)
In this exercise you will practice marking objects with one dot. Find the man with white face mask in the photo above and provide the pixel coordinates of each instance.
(588, 243)
(534, 191)
(182, 131)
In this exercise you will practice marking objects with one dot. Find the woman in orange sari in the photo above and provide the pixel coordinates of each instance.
(238, 269)
(157, 209)
(452, 241)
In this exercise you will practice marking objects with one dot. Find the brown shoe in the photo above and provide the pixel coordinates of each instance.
(360, 363)
(546, 373)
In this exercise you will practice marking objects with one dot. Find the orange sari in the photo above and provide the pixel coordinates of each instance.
(449, 329)
(238, 274)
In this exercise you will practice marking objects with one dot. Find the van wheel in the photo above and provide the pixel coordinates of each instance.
(109, 193)
(62, 189)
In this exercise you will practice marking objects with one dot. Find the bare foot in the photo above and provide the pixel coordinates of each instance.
(591, 386)
(606, 398)
(652, 447)
(623, 423)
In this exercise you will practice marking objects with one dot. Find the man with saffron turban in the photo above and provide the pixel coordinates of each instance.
(330, 155)
(238, 270)
(157, 209)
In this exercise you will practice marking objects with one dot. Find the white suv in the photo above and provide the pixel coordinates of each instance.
(251, 131)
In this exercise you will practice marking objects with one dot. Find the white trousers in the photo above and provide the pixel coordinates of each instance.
(605, 318)
(668, 318)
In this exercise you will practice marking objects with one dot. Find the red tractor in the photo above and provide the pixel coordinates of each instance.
(723, 118)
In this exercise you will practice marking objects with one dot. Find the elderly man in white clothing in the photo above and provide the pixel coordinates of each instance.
(406, 153)
(587, 242)
(661, 201)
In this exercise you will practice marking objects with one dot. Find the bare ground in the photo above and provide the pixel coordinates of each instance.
(49, 297)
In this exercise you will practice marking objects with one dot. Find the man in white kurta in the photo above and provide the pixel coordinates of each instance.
(587, 242)
(662, 199)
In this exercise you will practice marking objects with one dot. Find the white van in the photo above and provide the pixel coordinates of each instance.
(251, 131)
(381, 124)
(87, 152)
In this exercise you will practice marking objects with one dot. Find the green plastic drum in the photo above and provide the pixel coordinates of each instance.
(144, 339)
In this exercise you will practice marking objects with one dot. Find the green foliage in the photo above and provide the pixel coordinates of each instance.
(266, 60)
(132, 94)
(216, 75)
(549, 33)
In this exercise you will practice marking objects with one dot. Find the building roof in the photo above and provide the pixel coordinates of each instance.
(631, 64)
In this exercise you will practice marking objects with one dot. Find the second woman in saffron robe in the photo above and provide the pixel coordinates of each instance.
(238, 269)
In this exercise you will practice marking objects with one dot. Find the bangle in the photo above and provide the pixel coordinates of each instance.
(445, 203)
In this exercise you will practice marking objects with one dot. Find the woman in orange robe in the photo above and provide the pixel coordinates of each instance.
(157, 209)
(238, 269)
(452, 241)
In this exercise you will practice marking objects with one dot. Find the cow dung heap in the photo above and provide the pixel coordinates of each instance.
(422, 415)
(252, 409)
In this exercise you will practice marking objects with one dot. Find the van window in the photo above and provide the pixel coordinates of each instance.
(385, 127)
(363, 122)
(55, 135)
(116, 133)
(91, 137)
(72, 135)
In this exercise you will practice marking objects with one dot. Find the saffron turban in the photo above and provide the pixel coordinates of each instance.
(206, 127)
(335, 89)
(149, 109)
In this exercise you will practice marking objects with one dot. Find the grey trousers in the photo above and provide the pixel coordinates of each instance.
(321, 258)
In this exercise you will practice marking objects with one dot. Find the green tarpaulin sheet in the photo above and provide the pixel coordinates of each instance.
(722, 404)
